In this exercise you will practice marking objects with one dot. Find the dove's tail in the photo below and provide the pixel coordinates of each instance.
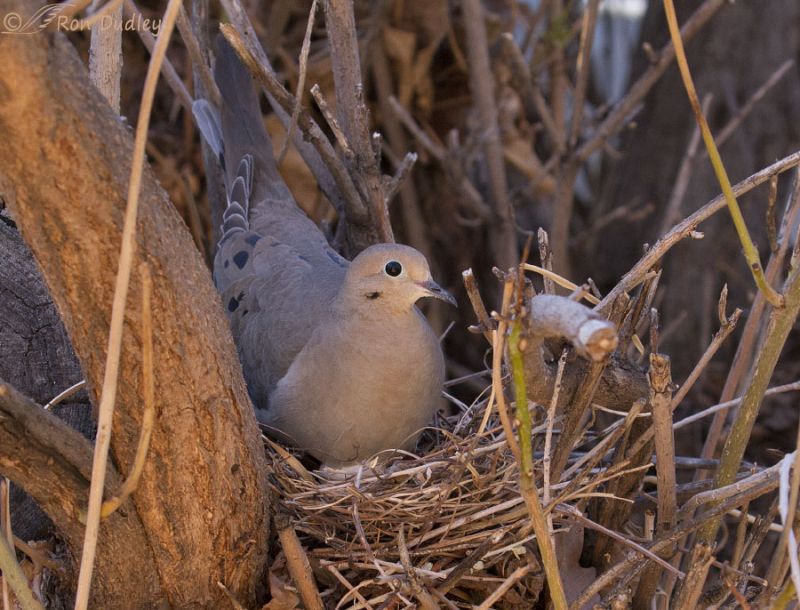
(242, 126)
(236, 216)
(238, 138)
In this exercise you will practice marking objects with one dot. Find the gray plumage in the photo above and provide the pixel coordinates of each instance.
(337, 358)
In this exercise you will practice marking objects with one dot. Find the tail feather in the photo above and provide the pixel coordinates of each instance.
(208, 121)
(245, 170)
(242, 126)
(234, 209)
(236, 215)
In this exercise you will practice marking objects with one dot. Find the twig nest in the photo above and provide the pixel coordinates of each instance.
(450, 523)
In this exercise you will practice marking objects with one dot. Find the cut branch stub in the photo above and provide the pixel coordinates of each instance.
(593, 337)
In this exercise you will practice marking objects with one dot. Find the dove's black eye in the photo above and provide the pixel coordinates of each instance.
(393, 268)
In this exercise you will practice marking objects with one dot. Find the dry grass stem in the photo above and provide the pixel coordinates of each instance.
(561, 281)
(148, 415)
(5, 528)
(127, 251)
(170, 74)
(62, 396)
(301, 81)
(13, 576)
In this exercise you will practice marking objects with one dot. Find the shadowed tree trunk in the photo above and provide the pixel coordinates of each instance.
(200, 514)
(36, 354)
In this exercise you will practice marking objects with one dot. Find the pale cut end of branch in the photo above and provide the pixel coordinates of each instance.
(599, 338)
(592, 336)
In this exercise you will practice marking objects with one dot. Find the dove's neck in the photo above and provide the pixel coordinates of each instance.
(372, 305)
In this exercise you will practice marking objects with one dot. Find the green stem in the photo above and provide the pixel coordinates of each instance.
(750, 251)
(780, 324)
(527, 485)
(520, 397)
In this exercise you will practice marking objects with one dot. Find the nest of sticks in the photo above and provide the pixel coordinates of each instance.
(447, 529)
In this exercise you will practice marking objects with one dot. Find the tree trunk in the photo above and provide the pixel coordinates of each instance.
(36, 353)
(202, 501)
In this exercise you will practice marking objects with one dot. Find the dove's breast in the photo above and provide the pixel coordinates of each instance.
(356, 389)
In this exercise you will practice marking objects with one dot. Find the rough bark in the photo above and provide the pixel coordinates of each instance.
(36, 353)
(202, 500)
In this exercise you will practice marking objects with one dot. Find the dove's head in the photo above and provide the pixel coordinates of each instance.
(392, 275)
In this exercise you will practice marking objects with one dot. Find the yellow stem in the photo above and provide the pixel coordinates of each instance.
(750, 251)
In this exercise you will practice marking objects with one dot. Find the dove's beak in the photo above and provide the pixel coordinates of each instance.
(436, 291)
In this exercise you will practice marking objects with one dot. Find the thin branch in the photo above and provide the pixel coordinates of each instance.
(297, 562)
(503, 235)
(126, 256)
(345, 189)
(746, 350)
(332, 122)
(745, 110)
(672, 212)
(5, 529)
(504, 586)
(526, 476)
(198, 57)
(582, 68)
(32, 438)
(301, 81)
(148, 416)
(15, 577)
(414, 223)
(551, 418)
(631, 564)
(352, 110)
(724, 406)
(485, 323)
(105, 56)
(571, 428)
(728, 326)
(691, 589)
(570, 510)
(687, 226)
(311, 143)
(531, 94)
(660, 378)
(400, 176)
(781, 323)
(626, 106)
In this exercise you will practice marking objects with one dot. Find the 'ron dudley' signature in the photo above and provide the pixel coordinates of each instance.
(50, 16)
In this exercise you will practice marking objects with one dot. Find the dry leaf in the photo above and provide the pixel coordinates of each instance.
(284, 597)
(569, 545)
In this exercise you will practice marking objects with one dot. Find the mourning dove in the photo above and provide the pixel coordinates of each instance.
(337, 358)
